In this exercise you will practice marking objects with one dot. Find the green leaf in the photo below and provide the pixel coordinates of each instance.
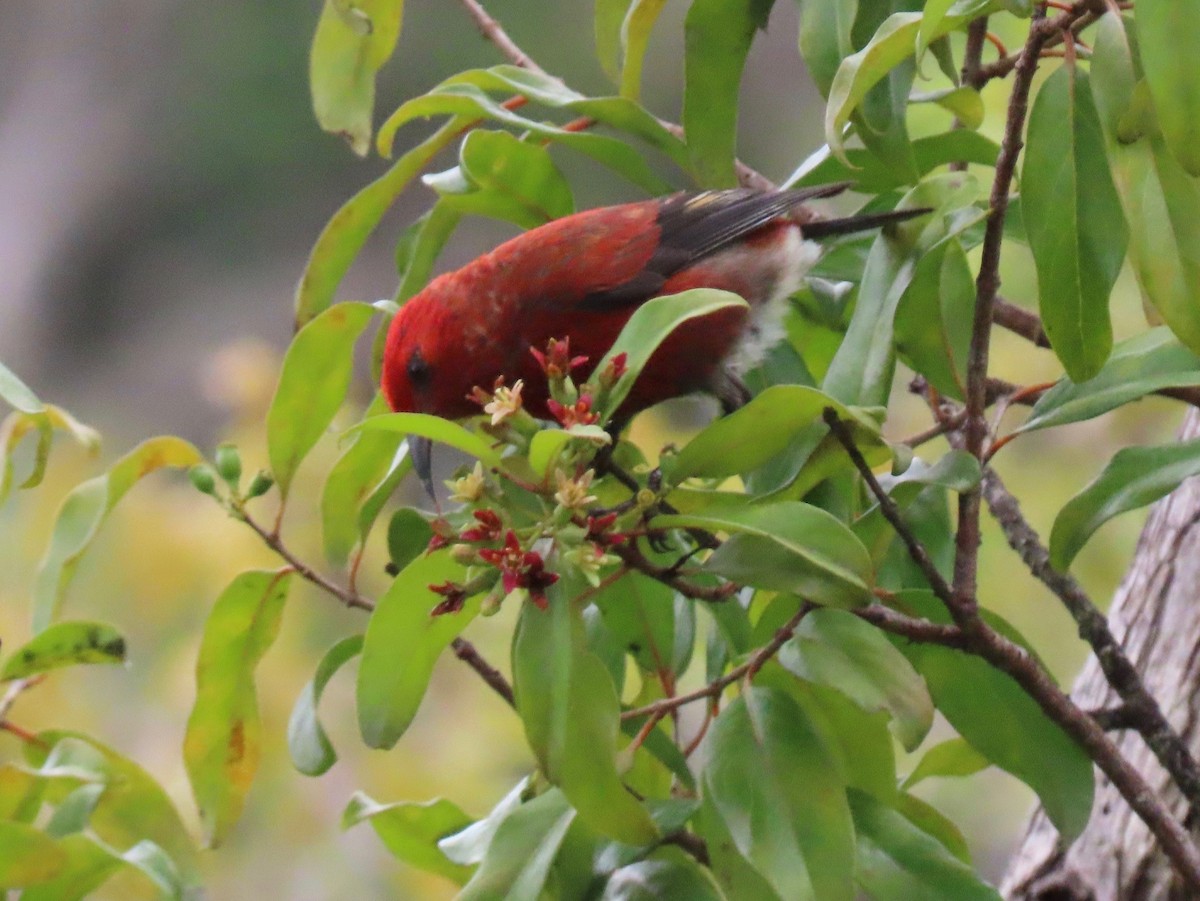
(134, 807)
(17, 394)
(641, 614)
(1073, 220)
(650, 325)
(90, 863)
(418, 249)
(1003, 723)
(954, 757)
(837, 649)
(1172, 75)
(65, 644)
(1138, 366)
(635, 38)
(20, 793)
(426, 426)
(610, 16)
(351, 482)
(931, 821)
(964, 102)
(872, 175)
(1160, 200)
(790, 806)
(312, 385)
(73, 811)
(571, 714)
(86, 865)
(469, 846)
(786, 546)
(825, 38)
(717, 35)
(897, 859)
(309, 746)
(467, 100)
(345, 234)
(861, 371)
(931, 18)
(862, 747)
(27, 856)
(749, 437)
(933, 319)
(411, 831)
(893, 42)
(519, 171)
(667, 873)
(17, 424)
(619, 113)
(517, 863)
(737, 876)
(408, 537)
(352, 41)
(402, 644)
(223, 743)
(1134, 477)
(84, 511)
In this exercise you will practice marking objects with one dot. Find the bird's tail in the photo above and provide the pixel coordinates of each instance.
(824, 228)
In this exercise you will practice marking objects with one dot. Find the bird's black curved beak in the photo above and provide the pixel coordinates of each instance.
(421, 450)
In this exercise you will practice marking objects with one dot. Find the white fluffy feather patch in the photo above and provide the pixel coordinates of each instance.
(792, 259)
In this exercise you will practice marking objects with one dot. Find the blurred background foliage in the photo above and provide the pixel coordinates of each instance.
(161, 182)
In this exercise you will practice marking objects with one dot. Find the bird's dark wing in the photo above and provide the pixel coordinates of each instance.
(692, 226)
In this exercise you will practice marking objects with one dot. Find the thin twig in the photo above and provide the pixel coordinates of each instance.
(635, 559)
(465, 651)
(1080, 17)
(1020, 321)
(746, 670)
(919, 630)
(274, 542)
(1140, 706)
(1115, 719)
(987, 284)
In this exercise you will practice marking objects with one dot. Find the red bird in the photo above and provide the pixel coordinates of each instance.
(581, 277)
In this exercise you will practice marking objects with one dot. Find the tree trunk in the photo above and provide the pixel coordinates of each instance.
(1156, 617)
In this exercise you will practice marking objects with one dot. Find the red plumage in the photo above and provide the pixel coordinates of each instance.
(582, 277)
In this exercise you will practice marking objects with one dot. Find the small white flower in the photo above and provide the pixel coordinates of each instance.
(505, 402)
(573, 493)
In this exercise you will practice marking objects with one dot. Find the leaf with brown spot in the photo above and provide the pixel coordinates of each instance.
(65, 644)
(223, 743)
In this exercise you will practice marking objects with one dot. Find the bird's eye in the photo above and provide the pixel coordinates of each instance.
(418, 369)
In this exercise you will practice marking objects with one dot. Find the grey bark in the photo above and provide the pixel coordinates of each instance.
(1156, 617)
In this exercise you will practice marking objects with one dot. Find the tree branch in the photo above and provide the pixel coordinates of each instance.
(1141, 709)
(747, 670)
(1008, 657)
(987, 284)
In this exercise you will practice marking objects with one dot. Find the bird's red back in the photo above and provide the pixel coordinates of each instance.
(582, 277)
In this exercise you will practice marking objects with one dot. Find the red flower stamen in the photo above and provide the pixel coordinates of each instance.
(578, 413)
(520, 569)
(557, 361)
(455, 596)
(488, 529)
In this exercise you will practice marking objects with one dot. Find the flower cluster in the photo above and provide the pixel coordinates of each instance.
(578, 413)
(520, 569)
